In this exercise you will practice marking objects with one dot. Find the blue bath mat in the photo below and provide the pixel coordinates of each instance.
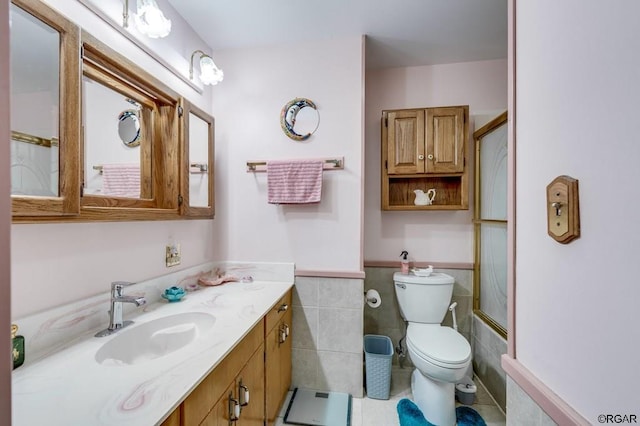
(410, 415)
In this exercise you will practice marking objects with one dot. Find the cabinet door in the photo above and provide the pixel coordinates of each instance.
(251, 381)
(45, 117)
(272, 375)
(174, 419)
(196, 180)
(405, 141)
(220, 414)
(278, 366)
(446, 136)
(285, 358)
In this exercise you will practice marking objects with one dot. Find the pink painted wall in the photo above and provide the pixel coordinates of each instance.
(577, 106)
(428, 236)
(53, 264)
(258, 83)
(5, 221)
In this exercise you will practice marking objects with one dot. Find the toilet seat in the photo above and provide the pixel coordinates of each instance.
(441, 346)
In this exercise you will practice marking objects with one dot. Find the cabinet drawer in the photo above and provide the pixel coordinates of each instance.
(277, 312)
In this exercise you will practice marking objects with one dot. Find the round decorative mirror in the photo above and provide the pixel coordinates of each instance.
(299, 119)
(129, 127)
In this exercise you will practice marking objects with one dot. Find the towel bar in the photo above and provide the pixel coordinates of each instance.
(329, 164)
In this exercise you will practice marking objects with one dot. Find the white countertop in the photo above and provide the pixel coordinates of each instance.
(69, 387)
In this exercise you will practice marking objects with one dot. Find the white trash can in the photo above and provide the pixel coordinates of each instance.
(466, 391)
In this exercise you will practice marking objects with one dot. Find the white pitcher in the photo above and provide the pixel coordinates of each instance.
(424, 199)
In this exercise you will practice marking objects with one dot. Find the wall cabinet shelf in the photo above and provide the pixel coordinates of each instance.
(425, 149)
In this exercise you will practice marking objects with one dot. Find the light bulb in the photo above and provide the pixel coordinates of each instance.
(151, 21)
(209, 72)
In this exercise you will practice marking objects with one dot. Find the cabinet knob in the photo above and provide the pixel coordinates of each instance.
(243, 395)
(234, 408)
(283, 308)
(430, 156)
(420, 157)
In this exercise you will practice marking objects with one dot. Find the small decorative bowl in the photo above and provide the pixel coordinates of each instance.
(422, 272)
(173, 294)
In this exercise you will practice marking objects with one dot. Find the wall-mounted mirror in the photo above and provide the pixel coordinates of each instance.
(299, 119)
(34, 105)
(197, 147)
(132, 161)
(103, 144)
(129, 127)
(44, 113)
(113, 153)
(490, 223)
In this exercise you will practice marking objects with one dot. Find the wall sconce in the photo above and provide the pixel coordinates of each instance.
(209, 72)
(150, 20)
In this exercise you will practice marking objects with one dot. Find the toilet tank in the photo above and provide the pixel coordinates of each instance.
(423, 299)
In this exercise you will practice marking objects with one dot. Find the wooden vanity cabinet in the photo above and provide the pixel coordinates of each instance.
(209, 402)
(423, 149)
(259, 364)
(277, 356)
(249, 381)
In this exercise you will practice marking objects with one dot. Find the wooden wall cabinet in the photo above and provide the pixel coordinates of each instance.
(58, 171)
(250, 384)
(425, 149)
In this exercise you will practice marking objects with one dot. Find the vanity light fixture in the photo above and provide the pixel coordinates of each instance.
(150, 20)
(209, 72)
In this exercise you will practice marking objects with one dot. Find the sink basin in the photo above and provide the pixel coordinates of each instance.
(154, 339)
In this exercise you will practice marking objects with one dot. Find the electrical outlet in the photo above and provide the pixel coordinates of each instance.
(173, 255)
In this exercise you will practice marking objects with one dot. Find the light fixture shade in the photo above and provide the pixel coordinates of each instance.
(150, 20)
(209, 72)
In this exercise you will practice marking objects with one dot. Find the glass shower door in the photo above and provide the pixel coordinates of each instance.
(490, 224)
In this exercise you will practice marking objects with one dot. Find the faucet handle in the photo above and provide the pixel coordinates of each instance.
(117, 286)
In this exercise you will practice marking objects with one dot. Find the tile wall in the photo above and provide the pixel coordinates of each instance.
(327, 334)
(523, 411)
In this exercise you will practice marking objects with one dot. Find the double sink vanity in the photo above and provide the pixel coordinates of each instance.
(221, 356)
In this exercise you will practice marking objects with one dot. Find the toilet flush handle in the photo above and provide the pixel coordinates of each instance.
(452, 308)
(401, 285)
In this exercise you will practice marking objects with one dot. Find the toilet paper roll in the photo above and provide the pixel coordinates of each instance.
(372, 297)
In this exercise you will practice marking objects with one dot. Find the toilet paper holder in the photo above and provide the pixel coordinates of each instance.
(372, 298)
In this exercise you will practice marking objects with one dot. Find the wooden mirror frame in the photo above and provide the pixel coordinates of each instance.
(185, 208)
(165, 191)
(159, 158)
(68, 200)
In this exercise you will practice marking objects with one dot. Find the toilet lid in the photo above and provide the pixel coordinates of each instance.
(442, 345)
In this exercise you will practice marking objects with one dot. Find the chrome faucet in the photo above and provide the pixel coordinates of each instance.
(115, 314)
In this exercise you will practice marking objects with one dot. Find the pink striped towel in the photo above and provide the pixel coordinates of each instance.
(121, 180)
(294, 182)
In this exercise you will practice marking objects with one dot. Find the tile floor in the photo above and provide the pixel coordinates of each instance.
(375, 412)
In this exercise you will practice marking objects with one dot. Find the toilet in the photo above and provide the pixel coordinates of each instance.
(440, 354)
